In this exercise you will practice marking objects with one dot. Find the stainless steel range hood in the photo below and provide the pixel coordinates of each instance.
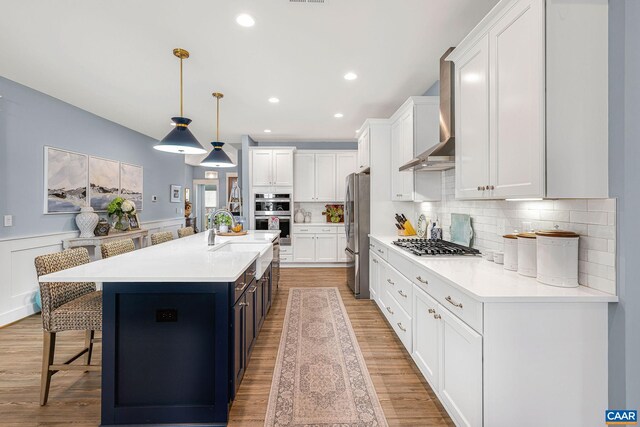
(442, 155)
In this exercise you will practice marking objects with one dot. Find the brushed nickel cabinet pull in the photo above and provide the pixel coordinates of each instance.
(431, 311)
(402, 294)
(243, 304)
(421, 280)
(252, 290)
(390, 282)
(389, 310)
(453, 303)
(381, 251)
(401, 327)
(437, 316)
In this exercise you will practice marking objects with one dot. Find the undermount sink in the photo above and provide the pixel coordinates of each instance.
(265, 252)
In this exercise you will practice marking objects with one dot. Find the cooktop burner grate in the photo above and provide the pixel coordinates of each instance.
(428, 247)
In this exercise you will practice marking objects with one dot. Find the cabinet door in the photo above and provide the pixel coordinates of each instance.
(326, 247)
(382, 274)
(261, 165)
(304, 248)
(346, 163)
(260, 299)
(406, 154)
(251, 313)
(325, 177)
(374, 268)
(460, 370)
(342, 246)
(426, 336)
(283, 168)
(397, 185)
(472, 121)
(238, 344)
(304, 173)
(363, 150)
(516, 49)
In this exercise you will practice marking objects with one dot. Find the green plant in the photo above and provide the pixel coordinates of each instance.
(335, 212)
(120, 207)
(222, 219)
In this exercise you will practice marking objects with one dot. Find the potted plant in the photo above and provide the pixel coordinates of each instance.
(334, 213)
(119, 210)
(223, 222)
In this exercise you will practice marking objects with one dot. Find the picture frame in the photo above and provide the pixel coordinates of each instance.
(66, 180)
(187, 194)
(134, 222)
(175, 195)
(132, 183)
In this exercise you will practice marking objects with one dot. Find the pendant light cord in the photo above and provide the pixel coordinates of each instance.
(181, 113)
(217, 119)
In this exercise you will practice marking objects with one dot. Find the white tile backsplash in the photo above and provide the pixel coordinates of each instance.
(593, 219)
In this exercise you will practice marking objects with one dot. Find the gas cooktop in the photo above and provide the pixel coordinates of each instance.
(428, 247)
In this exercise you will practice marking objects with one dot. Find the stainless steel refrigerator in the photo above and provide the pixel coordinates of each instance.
(356, 219)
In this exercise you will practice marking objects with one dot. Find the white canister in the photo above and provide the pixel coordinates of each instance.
(527, 264)
(510, 252)
(557, 253)
(498, 257)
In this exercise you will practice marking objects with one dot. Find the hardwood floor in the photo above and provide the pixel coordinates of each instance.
(407, 400)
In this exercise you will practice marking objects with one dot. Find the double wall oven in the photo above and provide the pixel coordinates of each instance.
(274, 205)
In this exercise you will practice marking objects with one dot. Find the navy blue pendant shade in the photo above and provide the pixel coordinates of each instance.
(217, 158)
(180, 140)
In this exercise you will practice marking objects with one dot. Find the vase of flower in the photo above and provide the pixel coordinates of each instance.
(86, 221)
(119, 210)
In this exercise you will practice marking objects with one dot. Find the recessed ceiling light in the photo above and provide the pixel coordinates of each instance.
(245, 20)
(338, 115)
(350, 76)
(274, 100)
(267, 131)
(357, 130)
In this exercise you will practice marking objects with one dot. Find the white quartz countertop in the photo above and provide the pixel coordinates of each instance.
(486, 281)
(189, 259)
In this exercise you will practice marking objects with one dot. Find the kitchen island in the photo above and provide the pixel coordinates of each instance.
(179, 323)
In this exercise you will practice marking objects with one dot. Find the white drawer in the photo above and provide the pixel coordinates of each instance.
(307, 229)
(378, 248)
(400, 288)
(445, 294)
(286, 257)
(400, 321)
(286, 249)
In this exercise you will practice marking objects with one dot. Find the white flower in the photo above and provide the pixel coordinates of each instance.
(128, 206)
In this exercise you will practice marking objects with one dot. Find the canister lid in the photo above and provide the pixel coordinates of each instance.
(557, 233)
(510, 236)
(527, 235)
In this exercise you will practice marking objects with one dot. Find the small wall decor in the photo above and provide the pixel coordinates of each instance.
(134, 222)
(104, 182)
(66, 178)
(176, 194)
(131, 183)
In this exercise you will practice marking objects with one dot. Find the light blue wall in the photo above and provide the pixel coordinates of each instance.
(434, 90)
(29, 120)
(198, 173)
(624, 180)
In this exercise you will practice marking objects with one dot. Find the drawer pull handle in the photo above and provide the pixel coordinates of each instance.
(453, 303)
(243, 304)
(375, 261)
(252, 290)
(437, 316)
(421, 280)
(431, 311)
(401, 327)
(402, 293)
(381, 251)
(241, 287)
(389, 310)
(390, 282)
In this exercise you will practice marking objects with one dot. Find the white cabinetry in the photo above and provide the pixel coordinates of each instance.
(320, 176)
(342, 245)
(426, 336)
(271, 167)
(304, 247)
(526, 126)
(318, 244)
(326, 247)
(364, 141)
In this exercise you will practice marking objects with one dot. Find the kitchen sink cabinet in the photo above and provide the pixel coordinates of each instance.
(525, 125)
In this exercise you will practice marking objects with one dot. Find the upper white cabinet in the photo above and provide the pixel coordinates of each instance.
(320, 176)
(531, 102)
(272, 167)
(414, 129)
(364, 141)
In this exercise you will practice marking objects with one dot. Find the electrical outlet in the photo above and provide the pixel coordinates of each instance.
(8, 220)
(154, 198)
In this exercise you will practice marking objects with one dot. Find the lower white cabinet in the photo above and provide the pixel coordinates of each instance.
(326, 247)
(318, 244)
(426, 336)
(304, 248)
(374, 263)
(460, 369)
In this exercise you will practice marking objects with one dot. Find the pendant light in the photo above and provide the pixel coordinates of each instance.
(217, 158)
(180, 140)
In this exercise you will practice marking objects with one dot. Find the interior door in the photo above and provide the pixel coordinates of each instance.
(472, 121)
(262, 163)
(517, 69)
(325, 177)
(283, 168)
(304, 172)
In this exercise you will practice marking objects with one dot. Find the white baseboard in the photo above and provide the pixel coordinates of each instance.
(313, 265)
(19, 280)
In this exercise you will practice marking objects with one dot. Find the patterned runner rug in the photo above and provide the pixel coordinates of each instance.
(320, 378)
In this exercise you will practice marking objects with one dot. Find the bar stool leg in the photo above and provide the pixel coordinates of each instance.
(88, 344)
(48, 350)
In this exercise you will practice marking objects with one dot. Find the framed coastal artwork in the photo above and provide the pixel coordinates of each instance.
(131, 183)
(176, 194)
(66, 176)
(104, 182)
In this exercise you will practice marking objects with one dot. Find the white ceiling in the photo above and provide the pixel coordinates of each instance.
(114, 58)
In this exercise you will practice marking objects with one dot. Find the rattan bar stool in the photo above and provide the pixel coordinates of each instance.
(117, 247)
(67, 307)
(186, 231)
(165, 236)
